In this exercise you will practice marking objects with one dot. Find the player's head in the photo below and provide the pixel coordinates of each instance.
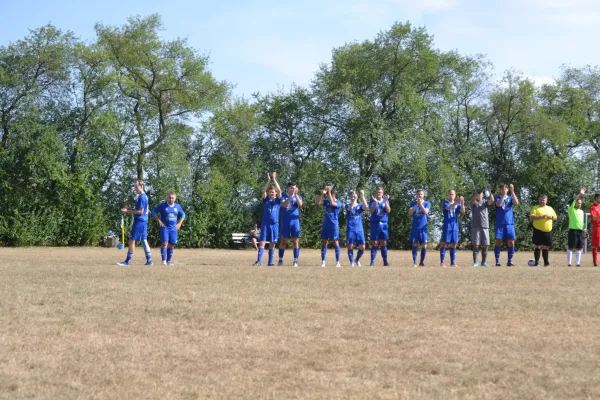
(171, 197)
(379, 193)
(503, 187)
(138, 186)
(578, 203)
(353, 195)
(597, 198)
(272, 192)
(291, 188)
(420, 194)
(543, 200)
(451, 194)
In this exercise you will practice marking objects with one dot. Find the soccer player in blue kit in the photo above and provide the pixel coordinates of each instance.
(419, 210)
(355, 234)
(291, 202)
(139, 229)
(330, 230)
(505, 222)
(169, 225)
(453, 207)
(379, 207)
(269, 228)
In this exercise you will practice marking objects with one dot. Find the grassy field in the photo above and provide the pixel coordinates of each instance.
(73, 325)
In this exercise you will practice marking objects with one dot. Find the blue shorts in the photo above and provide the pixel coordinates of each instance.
(139, 231)
(269, 232)
(506, 232)
(418, 236)
(449, 236)
(290, 229)
(379, 231)
(330, 232)
(353, 237)
(168, 235)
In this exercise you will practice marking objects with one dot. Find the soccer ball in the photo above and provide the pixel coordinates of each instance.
(531, 263)
(120, 246)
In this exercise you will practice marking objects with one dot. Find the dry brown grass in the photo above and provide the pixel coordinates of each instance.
(72, 325)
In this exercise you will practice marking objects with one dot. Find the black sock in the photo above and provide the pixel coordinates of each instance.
(484, 254)
(536, 255)
(545, 255)
(475, 253)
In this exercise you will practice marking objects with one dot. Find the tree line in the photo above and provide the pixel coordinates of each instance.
(81, 120)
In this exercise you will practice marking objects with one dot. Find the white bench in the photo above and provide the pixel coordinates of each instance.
(242, 238)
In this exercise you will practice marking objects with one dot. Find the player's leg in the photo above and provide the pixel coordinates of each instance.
(510, 244)
(485, 244)
(595, 244)
(133, 236)
(254, 243)
(423, 241)
(282, 248)
(350, 239)
(336, 244)
(570, 246)
(360, 240)
(383, 238)
(273, 236)
(324, 239)
(164, 242)
(537, 241)
(443, 246)
(500, 231)
(295, 232)
(475, 242)
(454, 241)
(173, 237)
(262, 239)
(578, 246)
(374, 243)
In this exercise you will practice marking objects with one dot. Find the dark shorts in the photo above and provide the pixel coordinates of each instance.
(269, 232)
(576, 239)
(290, 229)
(542, 238)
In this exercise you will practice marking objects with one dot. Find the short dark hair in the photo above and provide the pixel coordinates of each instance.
(291, 184)
(596, 196)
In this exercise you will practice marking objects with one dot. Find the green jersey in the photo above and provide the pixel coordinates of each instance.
(576, 216)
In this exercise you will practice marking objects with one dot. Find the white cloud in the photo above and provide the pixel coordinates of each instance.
(540, 80)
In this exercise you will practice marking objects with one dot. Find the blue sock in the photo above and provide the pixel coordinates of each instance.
(414, 254)
(148, 257)
(373, 254)
(271, 255)
(453, 255)
(323, 252)
(281, 251)
(337, 253)
(351, 255)
(296, 253)
(261, 251)
(129, 255)
(359, 255)
(511, 253)
(170, 254)
(163, 253)
(497, 253)
(442, 254)
(423, 254)
(384, 254)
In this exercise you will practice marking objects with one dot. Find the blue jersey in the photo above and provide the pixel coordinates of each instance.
(169, 215)
(271, 210)
(380, 214)
(354, 223)
(419, 218)
(292, 211)
(142, 202)
(451, 216)
(331, 212)
(504, 213)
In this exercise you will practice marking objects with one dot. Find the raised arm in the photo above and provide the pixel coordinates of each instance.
(319, 200)
(474, 198)
(277, 188)
(374, 206)
(386, 199)
(362, 195)
(461, 200)
(298, 199)
(266, 188)
(514, 195)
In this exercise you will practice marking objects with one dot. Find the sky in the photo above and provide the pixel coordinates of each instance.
(268, 45)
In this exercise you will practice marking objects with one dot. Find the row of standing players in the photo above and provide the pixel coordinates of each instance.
(542, 216)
